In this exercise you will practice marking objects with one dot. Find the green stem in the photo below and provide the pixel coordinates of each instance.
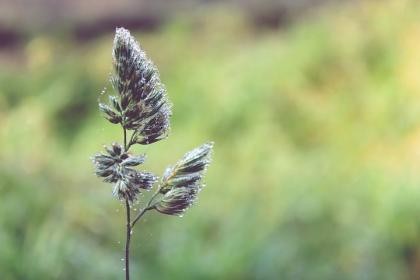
(127, 243)
(147, 208)
(131, 142)
(128, 224)
(125, 139)
(140, 215)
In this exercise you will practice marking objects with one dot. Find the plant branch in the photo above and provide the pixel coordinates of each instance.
(142, 212)
(147, 208)
(131, 142)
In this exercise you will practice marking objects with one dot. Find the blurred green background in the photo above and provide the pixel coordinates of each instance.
(315, 114)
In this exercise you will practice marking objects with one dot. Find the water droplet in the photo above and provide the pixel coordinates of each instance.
(122, 259)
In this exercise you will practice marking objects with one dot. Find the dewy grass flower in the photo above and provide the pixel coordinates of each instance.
(181, 182)
(116, 166)
(140, 106)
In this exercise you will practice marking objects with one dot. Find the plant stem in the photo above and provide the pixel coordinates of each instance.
(128, 225)
(125, 139)
(127, 243)
(148, 207)
(131, 142)
(140, 215)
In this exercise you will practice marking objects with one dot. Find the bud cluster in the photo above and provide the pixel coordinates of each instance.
(116, 166)
(141, 104)
(181, 182)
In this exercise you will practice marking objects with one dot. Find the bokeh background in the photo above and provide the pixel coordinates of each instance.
(314, 107)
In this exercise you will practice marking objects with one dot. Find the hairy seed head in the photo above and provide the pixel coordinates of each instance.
(143, 101)
(116, 166)
(182, 181)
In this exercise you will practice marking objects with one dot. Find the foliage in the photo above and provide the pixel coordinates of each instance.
(316, 170)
